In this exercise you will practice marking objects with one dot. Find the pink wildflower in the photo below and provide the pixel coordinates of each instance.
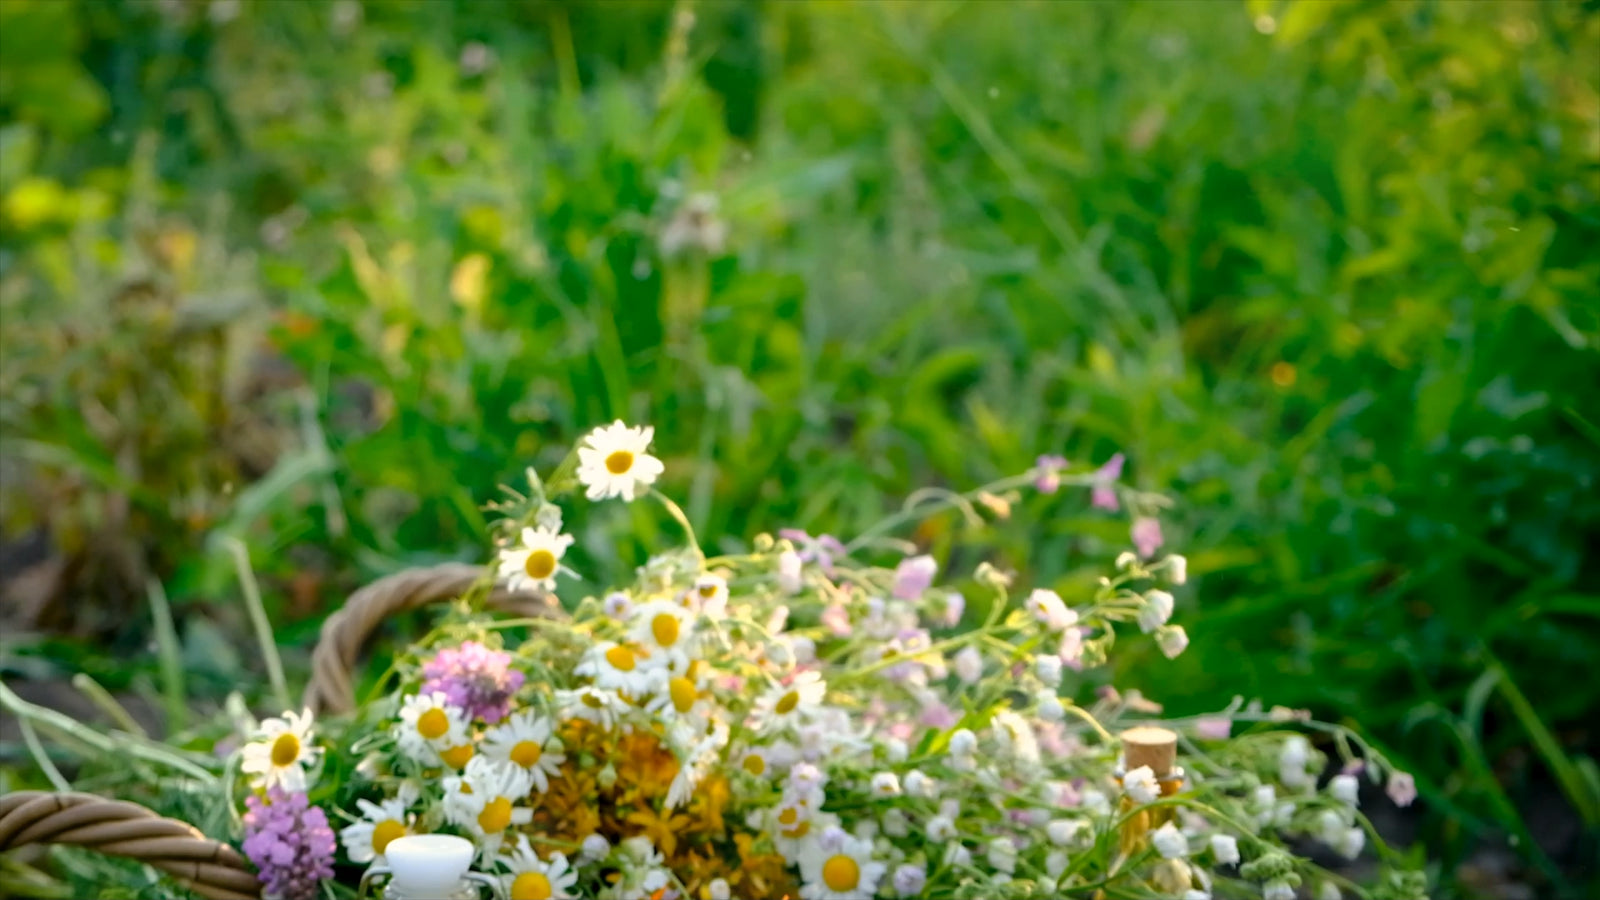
(1104, 496)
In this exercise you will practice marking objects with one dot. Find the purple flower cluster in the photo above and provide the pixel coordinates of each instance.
(474, 678)
(290, 843)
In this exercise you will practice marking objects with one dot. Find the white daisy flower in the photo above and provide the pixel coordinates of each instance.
(787, 706)
(940, 829)
(281, 751)
(366, 839)
(700, 760)
(525, 740)
(483, 801)
(847, 872)
(618, 667)
(591, 704)
(1141, 785)
(708, 596)
(756, 761)
(429, 726)
(795, 825)
(533, 564)
(675, 697)
(663, 626)
(885, 784)
(532, 878)
(613, 462)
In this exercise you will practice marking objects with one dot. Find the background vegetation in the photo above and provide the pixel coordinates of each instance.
(320, 276)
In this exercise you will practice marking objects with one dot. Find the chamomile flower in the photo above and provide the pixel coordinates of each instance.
(756, 761)
(845, 872)
(525, 740)
(366, 839)
(613, 462)
(591, 704)
(483, 800)
(796, 825)
(701, 759)
(532, 878)
(885, 784)
(281, 751)
(663, 626)
(429, 727)
(788, 705)
(533, 564)
(708, 596)
(619, 667)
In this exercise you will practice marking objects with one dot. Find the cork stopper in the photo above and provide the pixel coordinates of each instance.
(1150, 746)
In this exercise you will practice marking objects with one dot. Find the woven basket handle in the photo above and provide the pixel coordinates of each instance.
(344, 633)
(207, 867)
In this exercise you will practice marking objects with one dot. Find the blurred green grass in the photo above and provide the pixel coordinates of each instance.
(321, 276)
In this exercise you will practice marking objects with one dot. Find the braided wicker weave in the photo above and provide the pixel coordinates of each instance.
(331, 689)
(207, 867)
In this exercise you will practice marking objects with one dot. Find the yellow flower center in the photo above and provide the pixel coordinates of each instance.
(797, 832)
(531, 886)
(592, 700)
(384, 832)
(682, 691)
(526, 754)
(787, 703)
(457, 757)
(788, 816)
(285, 750)
(755, 764)
(496, 815)
(708, 590)
(621, 658)
(665, 627)
(841, 873)
(433, 723)
(619, 462)
(540, 564)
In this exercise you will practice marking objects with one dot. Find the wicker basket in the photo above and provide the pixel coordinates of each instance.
(209, 867)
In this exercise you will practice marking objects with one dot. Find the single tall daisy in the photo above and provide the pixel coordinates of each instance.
(533, 564)
(279, 754)
(613, 462)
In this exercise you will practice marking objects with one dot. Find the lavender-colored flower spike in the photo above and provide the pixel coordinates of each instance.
(474, 678)
(1104, 496)
(290, 843)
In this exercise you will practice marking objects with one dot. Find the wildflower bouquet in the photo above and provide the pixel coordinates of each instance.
(798, 722)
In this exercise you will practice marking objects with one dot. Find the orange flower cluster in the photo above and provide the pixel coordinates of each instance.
(698, 843)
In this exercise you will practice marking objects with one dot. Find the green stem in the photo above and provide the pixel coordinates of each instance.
(912, 510)
(677, 513)
(258, 621)
(173, 694)
(116, 744)
(108, 704)
(41, 758)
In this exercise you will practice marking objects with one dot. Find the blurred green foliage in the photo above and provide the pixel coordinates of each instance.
(322, 276)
